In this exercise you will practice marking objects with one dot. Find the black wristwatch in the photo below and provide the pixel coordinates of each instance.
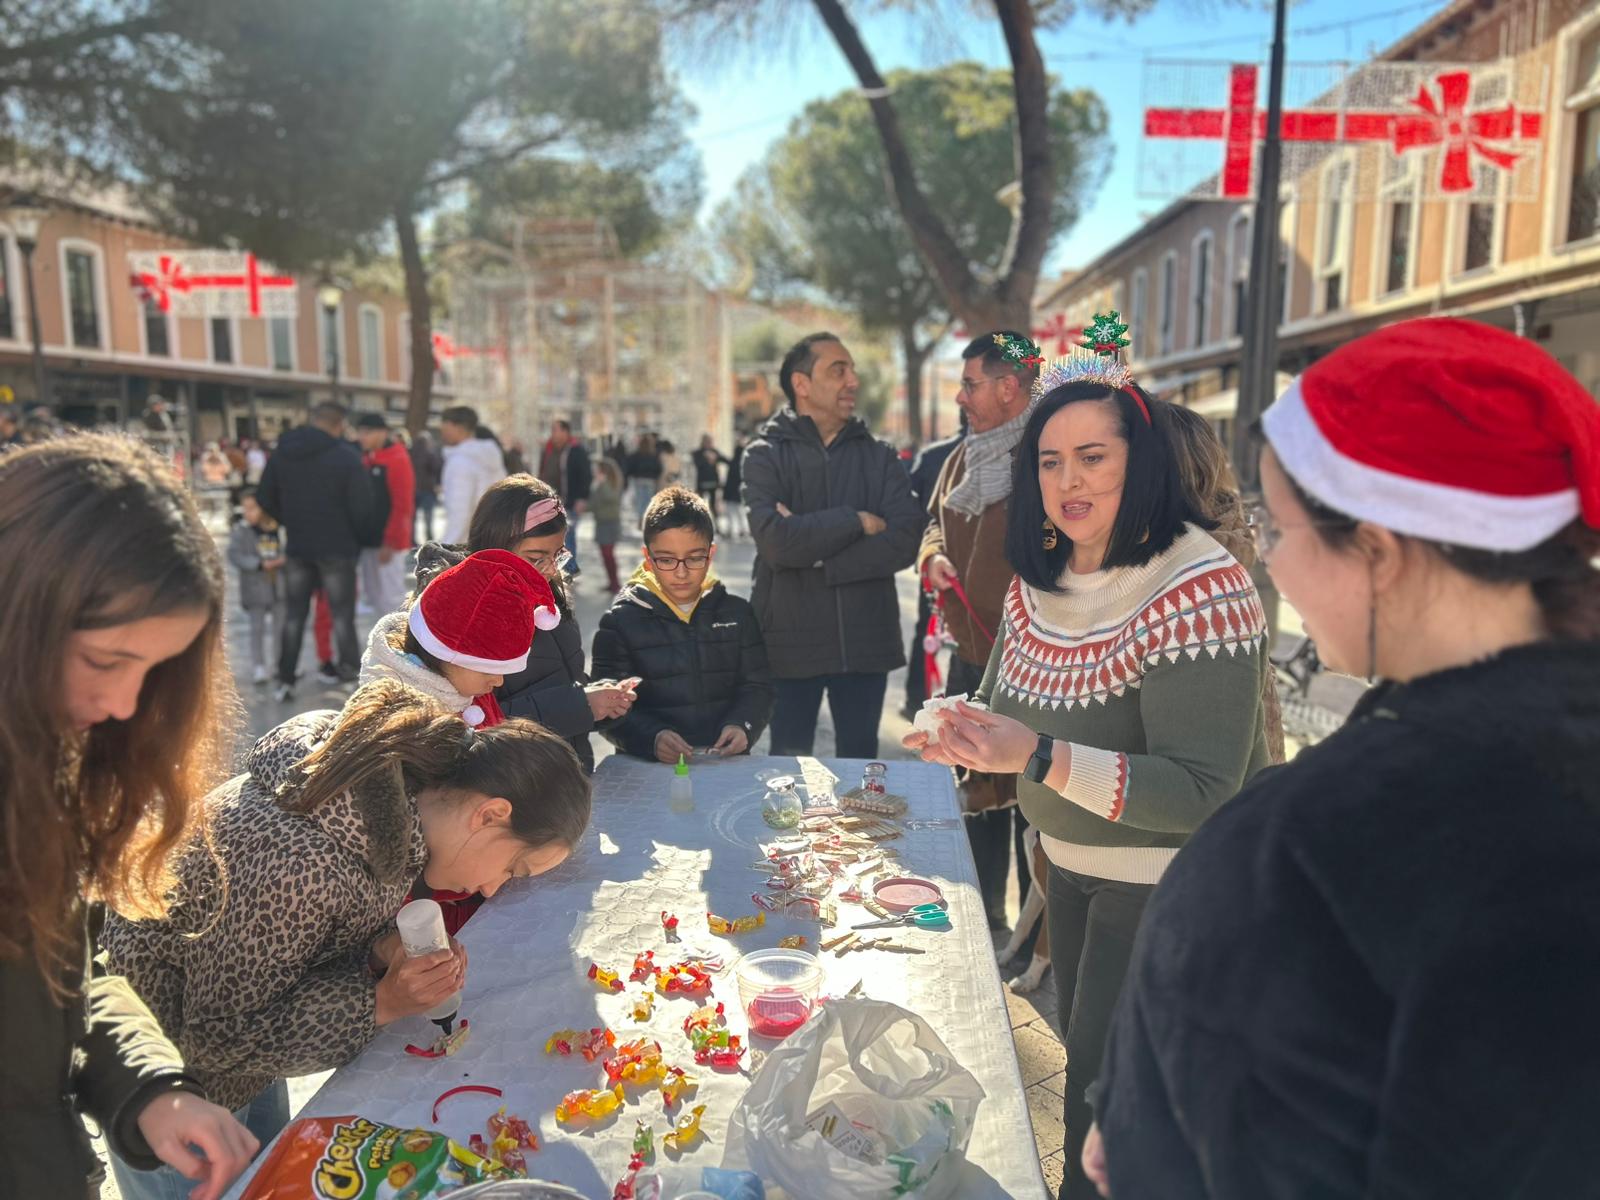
(1039, 765)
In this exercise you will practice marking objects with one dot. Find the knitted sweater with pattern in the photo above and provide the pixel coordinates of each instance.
(1155, 676)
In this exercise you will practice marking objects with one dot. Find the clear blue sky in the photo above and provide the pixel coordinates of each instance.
(746, 101)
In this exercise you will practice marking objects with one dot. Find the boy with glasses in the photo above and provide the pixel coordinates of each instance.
(697, 648)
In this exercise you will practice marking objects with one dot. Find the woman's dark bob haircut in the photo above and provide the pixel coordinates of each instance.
(1154, 508)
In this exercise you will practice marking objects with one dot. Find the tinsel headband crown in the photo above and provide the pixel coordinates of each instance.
(1103, 338)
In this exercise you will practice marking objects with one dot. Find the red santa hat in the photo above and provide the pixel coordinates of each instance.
(481, 614)
(1444, 429)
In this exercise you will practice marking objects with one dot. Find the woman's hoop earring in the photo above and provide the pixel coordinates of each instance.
(1049, 535)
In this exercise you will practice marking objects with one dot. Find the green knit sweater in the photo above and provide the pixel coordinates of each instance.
(1155, 675)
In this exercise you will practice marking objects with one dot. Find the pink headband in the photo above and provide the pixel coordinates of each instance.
(540, 512)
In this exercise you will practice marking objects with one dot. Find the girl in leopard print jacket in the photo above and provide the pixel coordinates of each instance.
(278, 956)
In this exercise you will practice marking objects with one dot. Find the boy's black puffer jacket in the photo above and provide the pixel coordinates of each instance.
(699, 676)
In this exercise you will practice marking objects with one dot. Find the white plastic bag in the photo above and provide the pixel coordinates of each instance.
(881, 1067)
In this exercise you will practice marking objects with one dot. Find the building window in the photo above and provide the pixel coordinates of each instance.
(332, 358)
(1399, 208)
(83, 299)
(371, 342)
(1479, 249)
(1200, 299)
(157, 329)
(281, 333)
(221, 340)
(1397, 263)
(8, 304)
(1239, 268)
(1583, 102)
(1136, 317)
(1169, 305)
(1335, 234)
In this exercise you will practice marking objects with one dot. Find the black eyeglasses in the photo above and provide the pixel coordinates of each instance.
(669, 563)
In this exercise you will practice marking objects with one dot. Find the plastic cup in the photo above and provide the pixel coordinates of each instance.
(778, 990)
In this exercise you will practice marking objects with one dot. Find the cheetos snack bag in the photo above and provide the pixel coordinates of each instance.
(352, 1158)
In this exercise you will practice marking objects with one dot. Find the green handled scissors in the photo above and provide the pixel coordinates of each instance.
(924, 916)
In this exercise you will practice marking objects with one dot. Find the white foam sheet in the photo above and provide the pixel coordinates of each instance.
(531, 945)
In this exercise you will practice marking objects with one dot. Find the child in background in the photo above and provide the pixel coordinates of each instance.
(255, 548)
(697, 648)
(605, 502)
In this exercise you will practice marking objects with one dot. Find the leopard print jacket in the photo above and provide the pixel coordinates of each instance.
(268, 977)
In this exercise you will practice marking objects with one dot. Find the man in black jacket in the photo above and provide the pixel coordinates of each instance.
(316, 487)
(696, 650)
(834, 520)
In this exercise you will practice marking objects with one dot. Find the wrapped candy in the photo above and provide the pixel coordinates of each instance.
(606, 979)
(703, 1018)
(724, 926)
(562, 1041)
(675, 1084)
(644, 1005)
(644, 1141)
(793, 942)
(721, 1050)
(669, 926)
(682, 979)
(686, 1131)
(591, 1104)
(596, 1042)
(643, 965)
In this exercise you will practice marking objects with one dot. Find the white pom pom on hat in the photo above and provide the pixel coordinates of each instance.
(482, 613)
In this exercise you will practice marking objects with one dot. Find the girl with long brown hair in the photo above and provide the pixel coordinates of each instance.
(321, 839)
(112, 692)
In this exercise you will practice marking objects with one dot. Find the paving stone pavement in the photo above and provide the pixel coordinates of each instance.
(1035, 1026)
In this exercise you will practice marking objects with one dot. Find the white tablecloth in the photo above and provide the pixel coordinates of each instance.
(531, 946)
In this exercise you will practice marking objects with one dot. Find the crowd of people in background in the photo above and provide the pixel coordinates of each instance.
(1359, 973)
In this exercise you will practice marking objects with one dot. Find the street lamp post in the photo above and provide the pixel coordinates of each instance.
(328, 295)
(26, 216)
(1258, 370)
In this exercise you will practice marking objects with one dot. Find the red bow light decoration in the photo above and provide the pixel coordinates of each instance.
(1461, 133)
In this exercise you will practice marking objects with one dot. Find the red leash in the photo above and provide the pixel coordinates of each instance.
(934, 638)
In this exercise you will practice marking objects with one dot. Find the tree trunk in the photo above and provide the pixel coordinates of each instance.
(1008, 303)
(915, 356)
(420, 402)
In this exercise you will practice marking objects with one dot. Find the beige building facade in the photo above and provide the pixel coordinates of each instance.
(1367, 243)
(108, 348)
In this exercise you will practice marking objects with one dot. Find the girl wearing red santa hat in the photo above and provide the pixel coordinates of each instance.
(1376, 971)
(469, 628)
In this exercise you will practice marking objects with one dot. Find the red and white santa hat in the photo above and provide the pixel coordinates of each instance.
(1444, 429)
(481, 614)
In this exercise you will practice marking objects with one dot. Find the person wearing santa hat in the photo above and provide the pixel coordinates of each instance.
(1376, 971)
(470, 627)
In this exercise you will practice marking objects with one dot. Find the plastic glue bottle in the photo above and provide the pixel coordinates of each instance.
(421, 927)
(681, 798)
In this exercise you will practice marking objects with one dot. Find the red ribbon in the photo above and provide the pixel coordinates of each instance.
(1448, 123)
(465, 1087)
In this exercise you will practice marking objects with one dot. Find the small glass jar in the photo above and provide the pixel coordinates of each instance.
(781, 807)
(873, 777)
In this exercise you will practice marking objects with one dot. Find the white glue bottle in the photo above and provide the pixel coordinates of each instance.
(421, 927)
(681, 797)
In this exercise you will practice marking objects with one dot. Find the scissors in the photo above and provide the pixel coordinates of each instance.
(923, 916)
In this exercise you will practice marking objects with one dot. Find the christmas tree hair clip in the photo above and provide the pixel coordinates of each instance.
(1104, 337)
(1105, 334)
(1019, 351)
